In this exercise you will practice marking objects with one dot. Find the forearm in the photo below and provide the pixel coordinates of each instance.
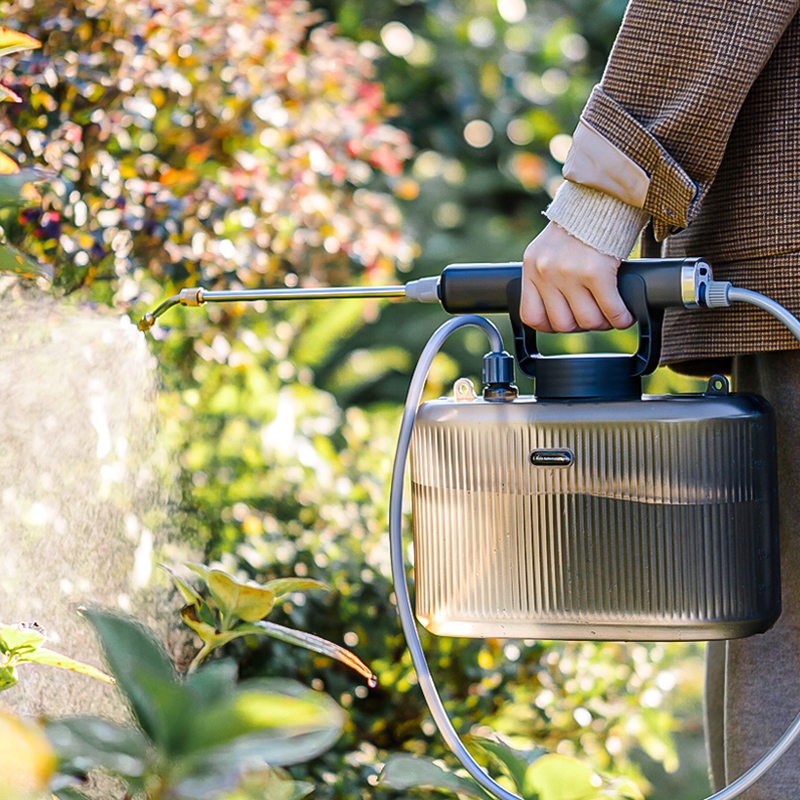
(654, 131)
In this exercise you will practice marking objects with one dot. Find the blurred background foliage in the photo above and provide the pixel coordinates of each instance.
(245, 143)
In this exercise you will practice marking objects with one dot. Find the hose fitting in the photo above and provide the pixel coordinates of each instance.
(191, 297)
(498, 377)
(424, 290)
(715, 294)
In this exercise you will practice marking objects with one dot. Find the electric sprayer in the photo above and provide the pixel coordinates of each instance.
(586, 510)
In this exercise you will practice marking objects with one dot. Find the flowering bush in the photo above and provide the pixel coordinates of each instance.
(219, 142)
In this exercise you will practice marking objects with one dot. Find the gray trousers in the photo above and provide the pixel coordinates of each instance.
(753, 685)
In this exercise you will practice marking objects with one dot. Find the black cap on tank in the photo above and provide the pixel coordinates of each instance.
(593, 377)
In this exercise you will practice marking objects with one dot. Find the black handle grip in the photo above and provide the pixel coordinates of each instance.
(648, 286)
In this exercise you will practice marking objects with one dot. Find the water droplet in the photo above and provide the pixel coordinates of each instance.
(372, 681)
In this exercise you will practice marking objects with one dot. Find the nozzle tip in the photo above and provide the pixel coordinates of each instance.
(146, 322)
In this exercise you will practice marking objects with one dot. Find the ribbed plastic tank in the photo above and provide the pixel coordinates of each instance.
(652, 519)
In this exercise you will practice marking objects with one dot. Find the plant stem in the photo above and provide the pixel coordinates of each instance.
(199, 658)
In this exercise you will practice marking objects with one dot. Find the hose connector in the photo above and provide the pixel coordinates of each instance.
(715, 294)
(695, 276)
(498, 377)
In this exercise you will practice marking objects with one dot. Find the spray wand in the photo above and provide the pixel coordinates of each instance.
(647, 286)
(198, 296)
(461, 288)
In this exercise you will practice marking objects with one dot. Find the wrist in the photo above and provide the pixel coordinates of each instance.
(597, 219)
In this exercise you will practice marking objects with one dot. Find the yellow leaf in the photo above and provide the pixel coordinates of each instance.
(9, 95)
(281, 586)
(7, 165)
(205, 631)
(27, 760)
(246, 602)
(12, 41)
(45, 656)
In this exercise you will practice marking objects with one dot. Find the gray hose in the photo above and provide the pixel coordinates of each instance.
(770, 306)
(396, 548)
(429, 691)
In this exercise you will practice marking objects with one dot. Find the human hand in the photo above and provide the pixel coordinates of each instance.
(569, 286)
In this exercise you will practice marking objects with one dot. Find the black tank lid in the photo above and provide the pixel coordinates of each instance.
(597, 376)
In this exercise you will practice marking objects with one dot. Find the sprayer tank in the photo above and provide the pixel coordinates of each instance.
(653, 519)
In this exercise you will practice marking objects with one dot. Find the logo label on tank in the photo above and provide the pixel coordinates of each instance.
(552, 458)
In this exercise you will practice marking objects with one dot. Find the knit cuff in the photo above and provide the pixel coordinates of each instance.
(597, 219)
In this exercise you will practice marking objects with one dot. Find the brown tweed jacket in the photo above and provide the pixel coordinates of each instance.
(697, 121)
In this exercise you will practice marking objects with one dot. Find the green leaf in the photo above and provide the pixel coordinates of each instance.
(284, 790)
(69, 793)
(278, 747)
(170, 707)
(266, 711)
(143, 673)
(270, 784)
(45, 656)
(213, 682)
(14, 179)
(619, 788)
(558, 777)
(310, 642)
(263, 784)
(205, 780)
(90, 743)
(8, 677)
(515, 762)
(21, 639)
(282, 586)
(407, 772)
(13, 260)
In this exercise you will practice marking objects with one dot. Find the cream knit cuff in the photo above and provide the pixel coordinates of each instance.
(597, 219)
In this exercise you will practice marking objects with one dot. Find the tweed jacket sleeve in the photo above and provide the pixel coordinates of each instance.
(654, 131)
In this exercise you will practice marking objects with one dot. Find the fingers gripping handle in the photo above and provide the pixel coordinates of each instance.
(647, 286)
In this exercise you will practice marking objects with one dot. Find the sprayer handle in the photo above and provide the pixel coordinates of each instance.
(648, 286)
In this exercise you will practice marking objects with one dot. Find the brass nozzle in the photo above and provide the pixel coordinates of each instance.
(149, 319)
(146, 322)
